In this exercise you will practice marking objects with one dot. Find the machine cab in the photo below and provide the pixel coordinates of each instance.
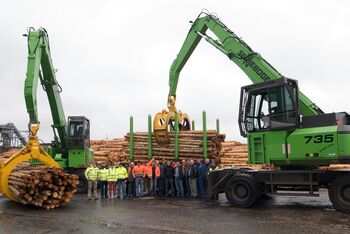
(271, 105)
(78, 132)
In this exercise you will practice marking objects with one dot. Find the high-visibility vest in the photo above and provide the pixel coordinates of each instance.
(122, 173)
(139, 171)
(103, 174)
(149, 171)
(214, 169)
(91, 173)
(112, 174)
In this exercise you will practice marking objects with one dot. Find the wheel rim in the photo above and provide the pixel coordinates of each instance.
(240, 191)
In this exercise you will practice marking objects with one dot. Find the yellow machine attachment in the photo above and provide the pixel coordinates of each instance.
(165, 121)
(32, 150)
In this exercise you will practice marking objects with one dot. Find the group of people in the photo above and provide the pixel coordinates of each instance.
(186, 178)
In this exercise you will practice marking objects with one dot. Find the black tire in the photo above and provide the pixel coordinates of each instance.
(339, 193)
(82, 187)
(242, 191)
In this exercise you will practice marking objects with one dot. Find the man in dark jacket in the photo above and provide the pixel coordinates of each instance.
(169, 173)
(186, 179)
(179, 180)
(161, 183)
(131, 181)
(193, 174)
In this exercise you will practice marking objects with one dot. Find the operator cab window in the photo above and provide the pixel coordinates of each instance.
(87, 129)
(76, 129)
(282, 111)
(258, 111)
(270, 108)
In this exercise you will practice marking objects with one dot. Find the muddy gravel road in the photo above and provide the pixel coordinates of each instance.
(176, 215)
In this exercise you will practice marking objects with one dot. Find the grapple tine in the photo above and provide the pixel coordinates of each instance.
(160, 127)
(165, 120)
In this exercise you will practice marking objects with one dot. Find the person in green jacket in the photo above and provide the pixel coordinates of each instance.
(91, 174)
(122, 175)
(112, 181)
(103, 176)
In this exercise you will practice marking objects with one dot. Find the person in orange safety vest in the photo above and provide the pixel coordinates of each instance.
(153, 173)
(139, 174)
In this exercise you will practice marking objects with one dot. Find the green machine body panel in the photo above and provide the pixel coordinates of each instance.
(316, 146)
(266, 146)
(344, 145)
(309, 147)
(79, 157)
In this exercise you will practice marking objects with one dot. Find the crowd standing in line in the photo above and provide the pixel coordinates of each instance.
(186, 178)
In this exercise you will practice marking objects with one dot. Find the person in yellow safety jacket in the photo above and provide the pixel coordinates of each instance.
(91, 174)
(122, 175)
(112, 181)
(103, 178)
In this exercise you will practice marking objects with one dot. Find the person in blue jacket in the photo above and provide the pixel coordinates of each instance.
(201, 178)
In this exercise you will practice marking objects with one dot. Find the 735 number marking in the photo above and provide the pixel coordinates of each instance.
(328, 138)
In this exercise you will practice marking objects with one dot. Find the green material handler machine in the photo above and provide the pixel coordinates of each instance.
(283, 127)
(71, 145)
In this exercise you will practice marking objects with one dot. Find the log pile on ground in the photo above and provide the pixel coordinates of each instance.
(109, 151)
(41, 186)
(190, 145)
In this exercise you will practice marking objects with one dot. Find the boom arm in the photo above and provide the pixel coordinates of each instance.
(256, 68)
(40, 66)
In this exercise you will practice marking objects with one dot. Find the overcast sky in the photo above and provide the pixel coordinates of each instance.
(113, 58)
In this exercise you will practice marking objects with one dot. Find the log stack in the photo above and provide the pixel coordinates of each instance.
(234, 153)
(7, 154)
(227, 153)
(41, 186)
(109, 151)
(190, 145)
(336, 166)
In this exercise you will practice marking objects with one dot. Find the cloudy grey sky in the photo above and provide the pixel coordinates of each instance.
(113, 57)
